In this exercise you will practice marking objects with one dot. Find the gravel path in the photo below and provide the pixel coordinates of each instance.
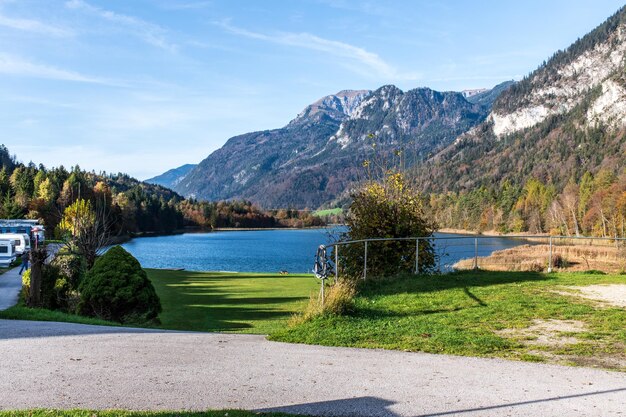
(69, 365)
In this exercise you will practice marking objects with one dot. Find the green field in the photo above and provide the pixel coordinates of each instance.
(479, 314)
(328, 212)
(210, 301)
(474, 313)
(230, 302)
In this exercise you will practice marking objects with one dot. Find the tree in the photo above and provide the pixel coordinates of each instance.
(86, 229)
(389, 208)
(118, 289)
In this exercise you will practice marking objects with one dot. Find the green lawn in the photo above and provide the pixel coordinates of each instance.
(210, 301)
(230, 302)
(474, 313)
(328, 212)
(122, 413)
(464, 313)
(21, 312)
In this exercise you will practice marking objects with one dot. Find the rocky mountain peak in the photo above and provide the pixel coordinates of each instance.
(595, 61)
(336, 106)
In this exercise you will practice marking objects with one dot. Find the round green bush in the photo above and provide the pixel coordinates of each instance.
(118, 289)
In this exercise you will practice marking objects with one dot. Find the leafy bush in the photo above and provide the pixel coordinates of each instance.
(386, 209)
(118, 289)
(55, 290)
(25, 294)
(71, 267)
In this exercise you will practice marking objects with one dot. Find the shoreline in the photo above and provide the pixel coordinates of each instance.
(493, 233)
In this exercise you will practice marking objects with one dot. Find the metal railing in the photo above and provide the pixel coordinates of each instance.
(490, 252)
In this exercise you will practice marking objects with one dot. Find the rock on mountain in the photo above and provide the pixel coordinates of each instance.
(566, 117)
(171, 178)
(319, 154)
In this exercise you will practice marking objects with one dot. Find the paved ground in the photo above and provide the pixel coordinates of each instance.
(10, 286)
(11, 282)
(69, 365)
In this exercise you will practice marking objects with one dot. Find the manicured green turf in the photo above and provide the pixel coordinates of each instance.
(460, 313)
(210, 301)
(230, 302)
(122, 413)
(328, 212)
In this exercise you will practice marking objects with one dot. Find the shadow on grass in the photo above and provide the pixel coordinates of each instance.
(463, 279)
(216, 309)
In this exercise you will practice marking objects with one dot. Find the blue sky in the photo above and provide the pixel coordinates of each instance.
(141, 86)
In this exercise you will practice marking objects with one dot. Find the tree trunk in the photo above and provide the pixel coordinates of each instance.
(38, 258)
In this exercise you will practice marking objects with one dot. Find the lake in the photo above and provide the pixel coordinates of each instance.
(292, 250)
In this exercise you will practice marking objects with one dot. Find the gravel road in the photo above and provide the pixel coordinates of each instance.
(69, 365)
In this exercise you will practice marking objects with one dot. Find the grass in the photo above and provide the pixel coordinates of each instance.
(21, 312)
(462, 313)
(122, 413)
(328, 212)
(230, 302)
(209, 302)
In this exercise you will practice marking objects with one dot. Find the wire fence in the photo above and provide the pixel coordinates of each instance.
(496, 253)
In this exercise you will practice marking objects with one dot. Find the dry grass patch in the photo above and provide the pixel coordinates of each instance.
(608, 295)
(564, 258)
(552, 333)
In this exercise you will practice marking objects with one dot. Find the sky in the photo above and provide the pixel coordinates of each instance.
(142, 86)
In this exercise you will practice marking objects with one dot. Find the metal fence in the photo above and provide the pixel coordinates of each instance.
(500, 253)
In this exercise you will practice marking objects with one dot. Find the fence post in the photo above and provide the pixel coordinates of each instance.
(336, 263)
(475, 253)
(550, 256)
(417, 256)
(365, 262)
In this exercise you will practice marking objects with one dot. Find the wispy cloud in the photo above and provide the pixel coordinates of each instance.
(149, 32)
(13, 65)
(354, 54)
(186, 5)
(36, 26)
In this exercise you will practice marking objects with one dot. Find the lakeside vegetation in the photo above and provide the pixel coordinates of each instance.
(595, 205)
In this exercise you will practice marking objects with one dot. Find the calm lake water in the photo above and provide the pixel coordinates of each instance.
(270, 250)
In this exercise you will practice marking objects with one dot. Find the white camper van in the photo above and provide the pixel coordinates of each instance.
(7, 252)
(21, 240)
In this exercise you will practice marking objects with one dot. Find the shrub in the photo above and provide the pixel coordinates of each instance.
(339, 299)
(71, 267)
(25, 294)
(386, 209)
(559, 261)
(118, 289)
(53, 288)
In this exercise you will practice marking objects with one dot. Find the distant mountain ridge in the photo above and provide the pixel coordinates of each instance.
(172, 177)
(316, 157)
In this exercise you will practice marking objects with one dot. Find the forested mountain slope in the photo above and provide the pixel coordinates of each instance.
(551, 155)
(565, 118)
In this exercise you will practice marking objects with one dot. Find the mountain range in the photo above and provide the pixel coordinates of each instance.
(565, 118)
(317, 156)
